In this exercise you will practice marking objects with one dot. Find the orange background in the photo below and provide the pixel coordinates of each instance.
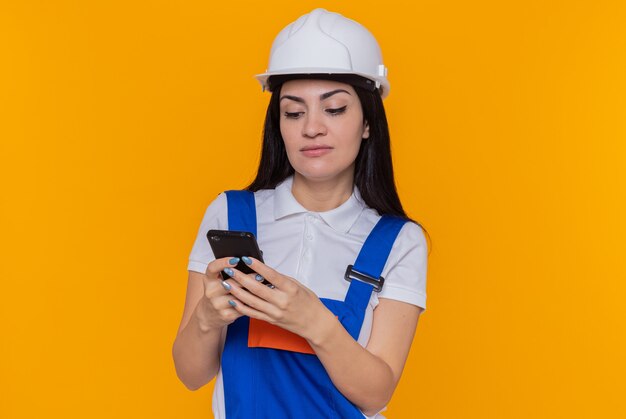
(121, 121)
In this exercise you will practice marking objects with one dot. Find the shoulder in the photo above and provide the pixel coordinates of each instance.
(405, 271)
(218, 205)
(412, 235)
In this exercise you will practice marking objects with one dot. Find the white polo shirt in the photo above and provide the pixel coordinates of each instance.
(316, 247)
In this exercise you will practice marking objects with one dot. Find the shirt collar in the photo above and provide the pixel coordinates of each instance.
(341, 218)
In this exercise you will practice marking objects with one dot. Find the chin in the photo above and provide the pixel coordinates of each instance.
(320, 174)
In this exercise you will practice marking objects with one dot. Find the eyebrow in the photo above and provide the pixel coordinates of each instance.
(322, 96)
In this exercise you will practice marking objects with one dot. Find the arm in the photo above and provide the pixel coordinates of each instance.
(366, 376)
(207, 312)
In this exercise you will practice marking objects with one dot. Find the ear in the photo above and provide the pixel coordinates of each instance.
(366, 131)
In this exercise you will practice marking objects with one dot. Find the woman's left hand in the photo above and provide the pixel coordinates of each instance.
(289, 304)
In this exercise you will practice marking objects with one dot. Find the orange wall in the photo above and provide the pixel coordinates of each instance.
(121, 121)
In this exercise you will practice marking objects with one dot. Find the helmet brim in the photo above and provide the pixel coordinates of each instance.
(270, 80)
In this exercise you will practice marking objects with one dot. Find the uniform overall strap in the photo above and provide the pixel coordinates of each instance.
(235, 365)
(371, 262)
(241, 211)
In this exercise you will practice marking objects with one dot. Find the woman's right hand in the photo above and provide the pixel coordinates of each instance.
(213, 310)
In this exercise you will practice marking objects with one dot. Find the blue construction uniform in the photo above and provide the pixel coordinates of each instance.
(266, 382)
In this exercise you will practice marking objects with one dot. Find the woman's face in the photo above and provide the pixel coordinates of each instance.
(321, 122)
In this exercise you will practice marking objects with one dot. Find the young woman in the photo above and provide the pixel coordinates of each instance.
(330, 336)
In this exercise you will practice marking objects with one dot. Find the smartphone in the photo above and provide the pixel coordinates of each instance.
(226, 243)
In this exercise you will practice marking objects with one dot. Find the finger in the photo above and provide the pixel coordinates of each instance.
(253, 286)
(217, 311)
(217, 265)
(276, 278)
(248, 298)
(248, 311)
(228, 314)
(213, 287)
(223, 308)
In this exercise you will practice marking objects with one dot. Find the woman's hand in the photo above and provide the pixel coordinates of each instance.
(213, 310)
(289, 304)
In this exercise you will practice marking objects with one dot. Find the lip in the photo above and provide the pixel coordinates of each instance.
(315, 150)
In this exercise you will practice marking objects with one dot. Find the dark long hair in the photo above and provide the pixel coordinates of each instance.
(373, 172)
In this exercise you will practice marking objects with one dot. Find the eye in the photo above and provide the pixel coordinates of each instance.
(293, 115)
(337, 111)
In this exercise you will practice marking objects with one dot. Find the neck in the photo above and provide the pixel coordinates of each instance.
(322, 195)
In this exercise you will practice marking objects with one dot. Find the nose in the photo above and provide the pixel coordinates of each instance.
(313, 125)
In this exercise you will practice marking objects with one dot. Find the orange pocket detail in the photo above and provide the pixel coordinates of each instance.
(265, 335)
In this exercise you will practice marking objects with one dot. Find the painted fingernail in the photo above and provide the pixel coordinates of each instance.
(226, 285)
(234, 261)
(229, 271)
(232, 303)
(246, 260)
(258, 277)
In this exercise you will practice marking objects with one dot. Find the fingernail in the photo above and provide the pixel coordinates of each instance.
(258, 277)
(234, 261)
(229, 271)
(246, 260)
(232, 303)
(226, 285)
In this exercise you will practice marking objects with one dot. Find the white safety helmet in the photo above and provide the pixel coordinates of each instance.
(323, 42)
